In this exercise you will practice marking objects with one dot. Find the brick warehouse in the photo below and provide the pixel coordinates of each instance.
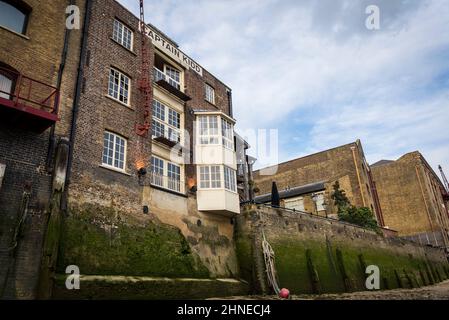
(121, 220)
(312, 177)
(38, 65)
(413, 199)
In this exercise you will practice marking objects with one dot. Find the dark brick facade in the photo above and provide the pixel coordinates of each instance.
(98, 112)
(38, 55)
(27, 155)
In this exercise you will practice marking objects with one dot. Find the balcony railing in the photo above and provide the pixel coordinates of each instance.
(29, 92)
(160, 75)
(168, 83)
(165, 134)
(167, 182)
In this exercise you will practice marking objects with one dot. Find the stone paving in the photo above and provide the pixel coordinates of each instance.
(436, 292)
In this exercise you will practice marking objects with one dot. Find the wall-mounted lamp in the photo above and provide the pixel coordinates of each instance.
(193, 189)
(141, 172)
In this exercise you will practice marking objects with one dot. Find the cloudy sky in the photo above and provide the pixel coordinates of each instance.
(312, 70)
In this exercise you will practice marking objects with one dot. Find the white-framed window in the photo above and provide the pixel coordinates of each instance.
(208, 129)
(166, 122)
(210, 177)
(230, 179)
(295, 203)
(227, 134)
(174, 118)
(122, 34)
(174, 76)
(157, 171)
(119, 85)
(174, 176)
(166, 174)
(114, 150)
(210, 93)
(158, 110)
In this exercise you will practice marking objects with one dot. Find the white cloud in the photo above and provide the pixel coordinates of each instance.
(387, 87)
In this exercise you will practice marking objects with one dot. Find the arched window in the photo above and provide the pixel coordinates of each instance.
(8, 77)
(14, 15)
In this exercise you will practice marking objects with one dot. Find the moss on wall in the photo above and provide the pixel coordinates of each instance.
(314, 255)
(244, 256)
(139, 288)
(294, 260)
(100, 242)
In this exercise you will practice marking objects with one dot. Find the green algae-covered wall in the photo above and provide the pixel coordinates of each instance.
(144, 288)
(102, 242)
(316, 255)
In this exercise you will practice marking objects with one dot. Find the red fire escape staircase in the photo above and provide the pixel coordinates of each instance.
(144, 83)
(30, 104)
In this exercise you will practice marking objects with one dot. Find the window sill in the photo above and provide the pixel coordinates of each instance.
(129, 50)
(115, 169)
(217, 189)
(176, 193)
(119, 102)
(212, 104)
(16, 33)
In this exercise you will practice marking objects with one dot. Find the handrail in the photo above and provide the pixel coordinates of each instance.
(160, 75)
(170, 133)
(167, 182)
(25, 89)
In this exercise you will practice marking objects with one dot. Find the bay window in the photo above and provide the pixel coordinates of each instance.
(229, 179)
(227, 134)
(217, 177)
(208, 129)
(210, 177)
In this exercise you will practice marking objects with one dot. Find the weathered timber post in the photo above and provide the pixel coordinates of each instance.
(54, 223)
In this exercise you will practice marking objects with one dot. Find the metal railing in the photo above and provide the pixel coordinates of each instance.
(167, 133)
(167, 182)
(30, 92)
(268, 205)
(160, 75)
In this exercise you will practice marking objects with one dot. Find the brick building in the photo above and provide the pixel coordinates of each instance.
(181, 175)
(160, 204)
(412, 199)
(306, 183)
(38, 65)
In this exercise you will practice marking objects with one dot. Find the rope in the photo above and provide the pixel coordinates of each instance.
(268, 254)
